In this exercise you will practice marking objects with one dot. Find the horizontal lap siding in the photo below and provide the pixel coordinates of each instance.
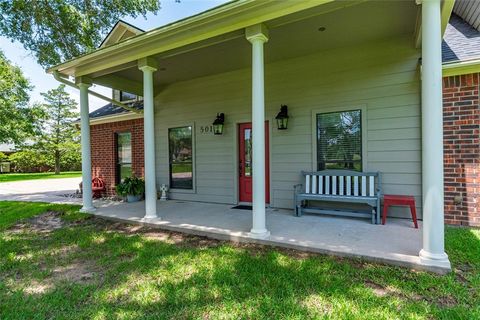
(383, 77)
(196, 103)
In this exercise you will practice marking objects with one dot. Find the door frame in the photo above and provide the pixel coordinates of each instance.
(236, 154)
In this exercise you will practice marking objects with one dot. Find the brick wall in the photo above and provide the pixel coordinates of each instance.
(104, 150)
(461, 121)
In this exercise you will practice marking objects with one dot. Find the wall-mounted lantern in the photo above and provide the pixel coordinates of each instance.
(218, 124)
(282, 118)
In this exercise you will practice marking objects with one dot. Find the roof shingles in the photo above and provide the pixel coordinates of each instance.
(461, 41)
(111, 109)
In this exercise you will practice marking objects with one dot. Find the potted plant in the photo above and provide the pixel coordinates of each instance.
(132, 188)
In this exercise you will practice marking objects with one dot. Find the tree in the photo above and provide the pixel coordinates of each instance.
(16, 117)
(57, 30)
(28, 161)
(57, 134)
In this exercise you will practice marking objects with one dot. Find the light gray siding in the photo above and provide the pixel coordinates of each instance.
(381, 77)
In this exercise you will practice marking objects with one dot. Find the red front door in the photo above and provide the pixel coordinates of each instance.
(245, 163)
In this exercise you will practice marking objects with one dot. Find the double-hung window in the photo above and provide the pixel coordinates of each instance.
(339, 140)
(180, 157)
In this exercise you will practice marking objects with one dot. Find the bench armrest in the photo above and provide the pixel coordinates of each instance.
(297, 187)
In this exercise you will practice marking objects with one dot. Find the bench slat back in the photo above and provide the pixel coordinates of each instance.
(342, 183)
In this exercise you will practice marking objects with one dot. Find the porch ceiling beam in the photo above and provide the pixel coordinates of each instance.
(321, 11)
(203, 44)
(447, 8)
(418, 28)
(115, 69)
(225, 19)
(120, 83)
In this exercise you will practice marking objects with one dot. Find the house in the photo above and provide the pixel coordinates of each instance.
(377, 64)
(461, 58)
(6, 150)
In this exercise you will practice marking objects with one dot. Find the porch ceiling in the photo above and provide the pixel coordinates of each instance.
(346, 24)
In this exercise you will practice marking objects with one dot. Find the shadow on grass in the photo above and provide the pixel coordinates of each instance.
(147, 273)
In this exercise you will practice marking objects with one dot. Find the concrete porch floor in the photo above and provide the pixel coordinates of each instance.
(397, 242)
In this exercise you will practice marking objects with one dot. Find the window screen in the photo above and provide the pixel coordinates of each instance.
(339, 140)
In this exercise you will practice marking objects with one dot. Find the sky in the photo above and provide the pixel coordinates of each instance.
(170, 11)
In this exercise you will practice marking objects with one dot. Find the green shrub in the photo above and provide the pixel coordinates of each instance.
(71, 161)
(29, 161)
(131, 186)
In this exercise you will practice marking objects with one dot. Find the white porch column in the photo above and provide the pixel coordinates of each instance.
(84, 83)
(148, 66)
(433, 252)
(258, 35)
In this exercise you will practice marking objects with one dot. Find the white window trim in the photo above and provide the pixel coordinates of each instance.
(194, 169)
(343, 108)
(136, 99)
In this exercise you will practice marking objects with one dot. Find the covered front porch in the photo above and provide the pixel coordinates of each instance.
(246, 65)
(397, 242)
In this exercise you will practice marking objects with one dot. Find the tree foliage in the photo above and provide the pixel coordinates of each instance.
(57, 30)
(16, 117)
(28, 161)
(31, 160)
(57, 134)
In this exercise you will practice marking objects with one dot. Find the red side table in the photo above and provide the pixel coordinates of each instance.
(398, 200)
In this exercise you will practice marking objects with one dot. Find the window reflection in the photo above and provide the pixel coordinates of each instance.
(180, 157)
(339, 140)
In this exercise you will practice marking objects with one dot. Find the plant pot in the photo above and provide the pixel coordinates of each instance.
(133, 198)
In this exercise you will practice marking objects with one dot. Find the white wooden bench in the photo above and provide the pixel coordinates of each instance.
(339, 186)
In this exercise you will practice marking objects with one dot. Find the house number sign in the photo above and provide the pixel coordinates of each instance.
(206, 129)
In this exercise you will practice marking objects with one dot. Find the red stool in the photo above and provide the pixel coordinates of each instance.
(396, 200)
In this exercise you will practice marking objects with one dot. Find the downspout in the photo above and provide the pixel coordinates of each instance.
(57, 77)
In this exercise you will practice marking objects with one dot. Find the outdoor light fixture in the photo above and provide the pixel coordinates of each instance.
(282, 118)
(218, 124)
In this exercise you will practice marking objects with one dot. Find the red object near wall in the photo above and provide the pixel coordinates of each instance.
(399, 200)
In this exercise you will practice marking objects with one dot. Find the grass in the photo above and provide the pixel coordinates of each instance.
(8, 177)
(92, 269)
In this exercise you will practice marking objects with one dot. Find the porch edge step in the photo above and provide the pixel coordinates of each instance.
(243, 237)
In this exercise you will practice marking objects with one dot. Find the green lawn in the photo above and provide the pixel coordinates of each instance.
(7, 177)
(86, 268)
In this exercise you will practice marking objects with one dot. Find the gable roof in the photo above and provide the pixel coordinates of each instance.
(461, 41)
(113, 110)
(468, 10)
(121, 31)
